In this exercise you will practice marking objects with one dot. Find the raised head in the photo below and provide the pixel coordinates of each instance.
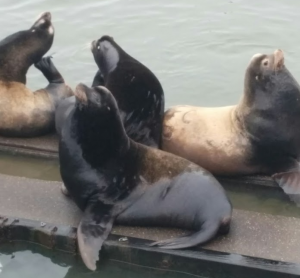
(98, 123)
(269, 84)
(95, 101)
(24, 48)
(106, 54)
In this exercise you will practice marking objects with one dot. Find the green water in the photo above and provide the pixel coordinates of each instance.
(197, 48)
(29, 167)
(29, 261)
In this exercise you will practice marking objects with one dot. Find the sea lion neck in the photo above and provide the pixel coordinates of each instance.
(13, 69)
(102, 139)
(19, 51)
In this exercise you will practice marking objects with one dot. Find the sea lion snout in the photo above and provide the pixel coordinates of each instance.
(94, 45)
(97, 96)
(43, 22)
(43, 18)
(80, 93)
(81, 87)
(46, 16)
(278, 59)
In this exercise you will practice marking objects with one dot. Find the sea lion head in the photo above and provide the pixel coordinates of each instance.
(95, 101)
(270, 112)
(269, 84)
(99, 127)
(106, 54)
(24, 48)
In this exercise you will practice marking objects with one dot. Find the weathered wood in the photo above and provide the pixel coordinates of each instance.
(47, 147)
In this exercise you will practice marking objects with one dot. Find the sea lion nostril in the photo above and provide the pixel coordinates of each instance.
(47, 15)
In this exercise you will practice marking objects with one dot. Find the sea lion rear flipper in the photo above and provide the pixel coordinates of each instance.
(290, 183)
(94, 228)
(208, 230)
(46, 66)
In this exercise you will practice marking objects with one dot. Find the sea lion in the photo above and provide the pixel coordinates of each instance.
(24, 113)
(114, 179)
(260, 135)
(138, 92)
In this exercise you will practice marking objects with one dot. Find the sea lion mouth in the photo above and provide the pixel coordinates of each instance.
(44, 22)
(278, 59)
(45, 16)
(94, 45)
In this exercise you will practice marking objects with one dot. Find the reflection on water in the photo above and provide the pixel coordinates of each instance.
(255, 201)
(34, 261)
(30, 167)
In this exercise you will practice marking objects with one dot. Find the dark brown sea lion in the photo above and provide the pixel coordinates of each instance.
(114, 179)
(138, 92)
(260, 135)
(24, 113)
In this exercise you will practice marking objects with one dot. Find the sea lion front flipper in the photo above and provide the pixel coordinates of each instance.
(290, 183)
(64, 190)
(46, 66)
(98, 79)
(94, 228)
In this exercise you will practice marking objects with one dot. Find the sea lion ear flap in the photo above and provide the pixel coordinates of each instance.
(278, 59)
(93, 230)
(290, 183)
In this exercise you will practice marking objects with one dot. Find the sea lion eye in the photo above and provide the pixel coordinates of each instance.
(257, 78)
(265, 62)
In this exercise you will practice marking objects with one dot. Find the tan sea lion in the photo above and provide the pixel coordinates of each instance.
(260, 135)
(24, 113)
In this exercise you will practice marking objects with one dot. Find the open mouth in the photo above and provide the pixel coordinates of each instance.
(93, 45)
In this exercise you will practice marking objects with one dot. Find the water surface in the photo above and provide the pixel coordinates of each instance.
(18, 259)
(197, 48)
